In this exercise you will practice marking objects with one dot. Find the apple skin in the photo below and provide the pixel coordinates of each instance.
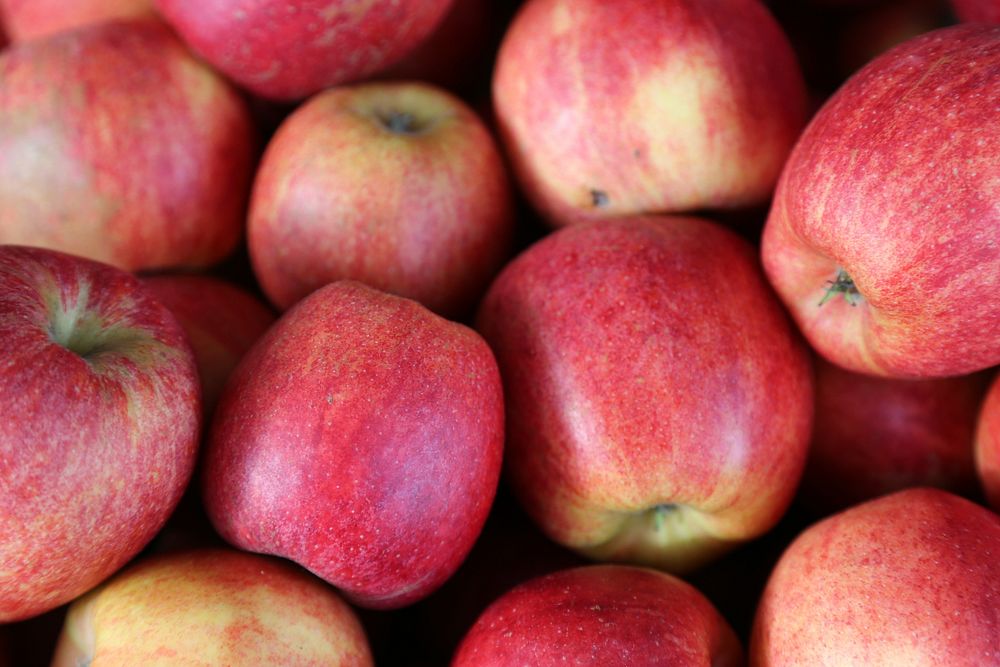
(288, 52)
(638, 357)
(102, 404)
(977, 11)
(903, 198)
(222, 322)
(874, 435)
(987, 444)
(906, 579)
(396, 185)
(32, 19)
(361, 437)
(641, 106)
(212, 607)
(609, 615)
(117, 145)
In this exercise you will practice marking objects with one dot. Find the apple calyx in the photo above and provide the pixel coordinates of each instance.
(599, 198)
(841, 284)
(400, 122)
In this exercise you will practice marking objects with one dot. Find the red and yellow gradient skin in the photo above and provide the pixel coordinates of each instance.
(30, 19)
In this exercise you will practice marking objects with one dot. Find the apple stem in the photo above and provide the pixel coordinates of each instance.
(841, 284)
(660, 512)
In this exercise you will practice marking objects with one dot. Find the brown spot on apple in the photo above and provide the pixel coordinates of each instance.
(599, 198)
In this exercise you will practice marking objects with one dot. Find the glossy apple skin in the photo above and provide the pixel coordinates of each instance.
(361, 438)
(288, 52)
(97, 444)
(31, 19)
(641, 106)
(903, 197)
(212, 607)
(425, 213)
(609, 615)
(987, 445)
(116, 144)
(639, 358)
(222, 322)
(977, 11)
(908, 578)
(874, 435)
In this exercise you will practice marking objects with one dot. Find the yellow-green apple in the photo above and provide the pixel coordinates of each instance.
(609, 615)
(906, 579)
(658, 399)
(31, 19)
(977, 11)
(222, 322)
(101, 405)
(361, 437)
(987, 445)
(874, 435)
(118, 145)
(290, 50)
(396, 185)
(212, 607)
(883, 236)
(646, 106)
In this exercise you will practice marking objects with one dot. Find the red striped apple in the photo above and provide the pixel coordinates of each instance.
(884, 236)
(987, 445)
(290, 50)
(396, 185)
(117, 145)
(212, 607)
(608, 615)
(361, 437)
(100, 397)
(659, 401)
(874, 435)
(907, 579)
(646, 106)
(31, 19)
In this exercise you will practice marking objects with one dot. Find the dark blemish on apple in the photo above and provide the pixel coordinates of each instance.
(599, 198)
(841, 284)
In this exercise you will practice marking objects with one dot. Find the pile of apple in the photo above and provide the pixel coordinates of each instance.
(285, 286)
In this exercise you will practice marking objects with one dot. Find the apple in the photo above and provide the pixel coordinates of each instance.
(658, 400)
(212, 607)
(977, 11)
(117, 145)
(875, 435)
(32, 19)
(101, 405)
(617, 108)
(290, 50)
(397, 185)
(609, 615)
(987, 444)
(222, 322)
(361, 437)
(883, 238)
(906, 579)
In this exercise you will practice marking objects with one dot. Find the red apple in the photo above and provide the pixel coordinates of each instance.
(222, 322)
(397, 185)
(977, 11)
(883, 239)
(212, 607)
(644, 106)
(608, 615)
(31, 19)
(907, 579)
(290, 50)
(873, 435)
(361, 438)
(116, 144)
(987, 445)
(642, 359)
(99, 393)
